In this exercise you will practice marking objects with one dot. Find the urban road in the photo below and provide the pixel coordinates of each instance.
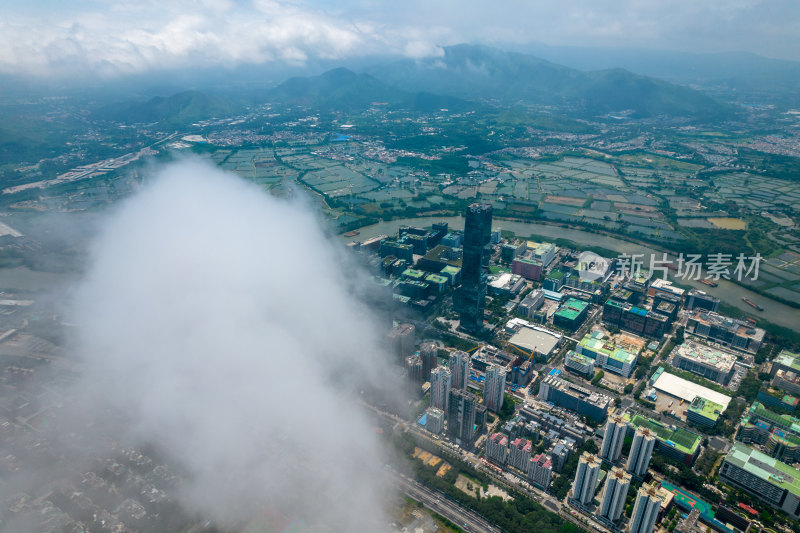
(462, 517)
(506, 479)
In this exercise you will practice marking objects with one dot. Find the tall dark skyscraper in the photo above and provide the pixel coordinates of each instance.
(470, 298)
(428, 352)
(461, 411)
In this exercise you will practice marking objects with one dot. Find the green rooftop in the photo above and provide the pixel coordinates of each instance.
(572, 308)
(580, 358)
(451, 270)
(413, 274)
(681, 439)
(415, 283)
(786, 439)
(529, 261)
(615, 303)
(540, 248)
(786, 422)
(705, 408)
(596, 342)
(436, 278)
(789, 359)
(556, 274)
(765, 467)
(576, 275)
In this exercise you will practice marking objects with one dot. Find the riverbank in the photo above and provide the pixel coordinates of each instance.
(774, 312)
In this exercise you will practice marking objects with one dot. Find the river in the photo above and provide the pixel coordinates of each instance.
(730, 293)
(23, 278)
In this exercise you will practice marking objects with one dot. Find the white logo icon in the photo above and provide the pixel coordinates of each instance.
(591, 267)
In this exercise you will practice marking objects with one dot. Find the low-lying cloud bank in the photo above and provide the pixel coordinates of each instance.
(220, 322)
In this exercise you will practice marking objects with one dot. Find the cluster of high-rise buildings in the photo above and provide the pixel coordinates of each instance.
(614, 495)
(449, 393)
(619, 478)
(644, 440)
(637, 315)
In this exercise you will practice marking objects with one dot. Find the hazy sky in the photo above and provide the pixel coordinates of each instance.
(113, 36)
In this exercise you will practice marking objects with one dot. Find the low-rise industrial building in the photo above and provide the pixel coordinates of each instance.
(698, 299)
(531, 303)
(571, 396)
(398, 250)
(511, 250)
(453, 239)
(779, 434)
(532, 340)
(786, 361)
(607, 354)
(582, 364)
(672, 441)
(686, 390)
(768, 479)
(554, 280)
(440, 257)
(437, 284)
(738, 334)
(664, 286)
(787, 380)
(506, 285)
(777, 399)
(527, 268)
(703, 412)
(593, 289)
(711, 363)
(542, 251)
(453, 273)
(620, 313)
(571, 314)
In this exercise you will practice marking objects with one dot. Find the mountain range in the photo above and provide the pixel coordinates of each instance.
(737, 75)
(184, 107)
(465, 76)
(342, 89)
(480, 72)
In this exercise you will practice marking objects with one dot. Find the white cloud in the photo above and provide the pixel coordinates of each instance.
(127, 39)
(220, 324)
(131, 36)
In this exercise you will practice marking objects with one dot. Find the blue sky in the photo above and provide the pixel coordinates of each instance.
(107, 37)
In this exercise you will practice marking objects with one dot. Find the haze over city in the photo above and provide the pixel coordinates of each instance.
(295, 266)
